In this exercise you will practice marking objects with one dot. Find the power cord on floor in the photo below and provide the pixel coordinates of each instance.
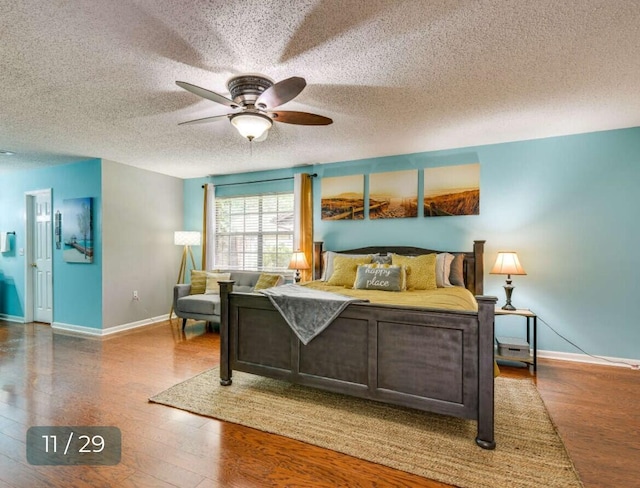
(631, 365)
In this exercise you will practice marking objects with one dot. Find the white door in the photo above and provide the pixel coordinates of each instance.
(42, 259)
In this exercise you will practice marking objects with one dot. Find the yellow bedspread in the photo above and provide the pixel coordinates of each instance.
(451, 298)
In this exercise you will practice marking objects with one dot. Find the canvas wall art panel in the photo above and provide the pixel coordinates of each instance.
(393, 195)
(452, 190)
(342, 198)
(77, 230)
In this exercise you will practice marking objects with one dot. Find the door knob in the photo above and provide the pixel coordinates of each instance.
(34, 265)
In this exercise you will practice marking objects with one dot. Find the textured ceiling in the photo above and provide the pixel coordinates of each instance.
(96, 78)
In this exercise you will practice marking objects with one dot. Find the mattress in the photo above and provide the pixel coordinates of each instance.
(449, 298)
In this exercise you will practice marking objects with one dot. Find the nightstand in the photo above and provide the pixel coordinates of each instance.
(532, 327)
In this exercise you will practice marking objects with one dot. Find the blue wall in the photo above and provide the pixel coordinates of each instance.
(77, 288)
(567, 205)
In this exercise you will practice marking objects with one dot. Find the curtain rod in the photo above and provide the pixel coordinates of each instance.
(258, 181)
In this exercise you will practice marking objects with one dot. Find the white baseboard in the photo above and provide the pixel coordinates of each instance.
(79, 329)
(12, 318)
(90, 331)
(585, 358)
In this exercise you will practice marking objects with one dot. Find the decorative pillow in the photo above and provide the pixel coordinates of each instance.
(345, 268)
(380, 259)
(443, 267)
(456, 272)
(327, 269)
(421, 270)
(213, 288)
(268, 280)
(198, 282)
(381, 277)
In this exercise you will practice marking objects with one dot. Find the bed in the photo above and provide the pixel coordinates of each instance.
(430, 359)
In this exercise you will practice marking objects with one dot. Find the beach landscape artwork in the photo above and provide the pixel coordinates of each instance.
(342, 198)
(77, 230)
(393, 195)
(452, 190)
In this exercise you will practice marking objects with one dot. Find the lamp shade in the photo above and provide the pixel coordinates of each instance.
(298, 261)
(186, 238)
(251, 125)
(508, 263)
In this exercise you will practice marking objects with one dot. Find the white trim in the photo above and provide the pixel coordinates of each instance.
(560, 356)
(210, 251)
(297, 210)
(12, 318)
(585, 358)
(91, 331)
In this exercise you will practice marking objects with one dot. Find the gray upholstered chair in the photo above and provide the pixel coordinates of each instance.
(207, 306)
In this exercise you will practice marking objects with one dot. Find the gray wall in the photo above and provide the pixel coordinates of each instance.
(141, 210)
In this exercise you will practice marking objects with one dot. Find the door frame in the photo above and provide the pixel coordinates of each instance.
(29, 301)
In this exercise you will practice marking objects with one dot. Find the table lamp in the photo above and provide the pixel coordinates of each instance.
(298, 262)
(508, 263)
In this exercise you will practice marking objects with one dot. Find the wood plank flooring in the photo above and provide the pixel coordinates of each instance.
(55, 379)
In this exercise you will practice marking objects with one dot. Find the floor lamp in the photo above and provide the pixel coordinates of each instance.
(186, 239)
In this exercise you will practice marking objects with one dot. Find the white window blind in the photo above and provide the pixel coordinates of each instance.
(254, 232)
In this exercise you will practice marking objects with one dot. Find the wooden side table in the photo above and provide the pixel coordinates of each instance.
(532, 329)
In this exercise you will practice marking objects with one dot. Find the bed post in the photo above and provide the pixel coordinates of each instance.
(317, 260)
(478, 254)
(486, 310)
(226, 287)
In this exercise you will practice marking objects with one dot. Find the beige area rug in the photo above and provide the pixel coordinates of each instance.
(529, 452)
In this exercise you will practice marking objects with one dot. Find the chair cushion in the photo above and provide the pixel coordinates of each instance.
(245, 281)
(200, 304)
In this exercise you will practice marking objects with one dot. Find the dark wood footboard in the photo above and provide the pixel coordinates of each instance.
(433, 360)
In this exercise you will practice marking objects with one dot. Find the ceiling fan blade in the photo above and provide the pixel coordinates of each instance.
(281, 93)
(300, 118)
(208, 94)
(205, 120)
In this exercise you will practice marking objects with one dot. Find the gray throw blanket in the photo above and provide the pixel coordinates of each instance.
(308, 312)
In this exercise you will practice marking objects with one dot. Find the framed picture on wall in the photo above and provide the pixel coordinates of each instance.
(342, 198)
(77, 230)
(393, 195)
(452, 190)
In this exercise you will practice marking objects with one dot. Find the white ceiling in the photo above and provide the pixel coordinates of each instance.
(96, 78)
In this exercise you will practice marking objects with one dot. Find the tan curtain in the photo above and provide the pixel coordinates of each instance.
(303, 228)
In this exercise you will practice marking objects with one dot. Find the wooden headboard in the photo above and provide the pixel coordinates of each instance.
(473, 268)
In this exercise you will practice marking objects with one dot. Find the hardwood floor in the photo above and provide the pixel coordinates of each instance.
(56, 379)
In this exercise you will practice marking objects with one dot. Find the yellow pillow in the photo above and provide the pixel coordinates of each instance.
(198, 282)
(213, 288)
(267, 280)
(421, 270)
(345, 269)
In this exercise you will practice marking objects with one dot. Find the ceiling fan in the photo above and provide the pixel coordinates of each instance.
(257, 97)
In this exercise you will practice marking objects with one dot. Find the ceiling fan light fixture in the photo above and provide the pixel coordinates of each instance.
(251, 125)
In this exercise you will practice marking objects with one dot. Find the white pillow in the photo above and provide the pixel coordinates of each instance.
(443, 267)
(213, 288)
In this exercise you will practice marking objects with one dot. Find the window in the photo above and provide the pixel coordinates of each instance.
(254, 232)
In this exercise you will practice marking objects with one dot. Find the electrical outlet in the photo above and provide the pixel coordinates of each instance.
(135, 295)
